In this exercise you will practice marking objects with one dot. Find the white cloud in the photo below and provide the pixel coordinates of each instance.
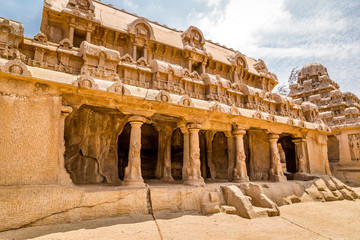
(287, 36)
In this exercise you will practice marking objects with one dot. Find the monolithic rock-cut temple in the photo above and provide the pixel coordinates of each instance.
(103, 107)
(340, 111)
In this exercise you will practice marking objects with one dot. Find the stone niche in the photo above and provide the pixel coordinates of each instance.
(91, 135)
(260, 155)
(289, 149)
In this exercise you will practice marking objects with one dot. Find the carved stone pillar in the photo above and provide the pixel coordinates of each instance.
(275, 173)
(133, 170)
(186, 154)
(194, 172)
(300, 155)
(166, 172)
(134, 52)
(240, 171)
(209, 135)
(71, 31)
(63, 176)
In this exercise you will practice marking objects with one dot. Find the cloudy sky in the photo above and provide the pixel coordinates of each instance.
(284, 33)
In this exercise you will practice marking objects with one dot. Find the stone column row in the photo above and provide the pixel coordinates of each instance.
(191, 162)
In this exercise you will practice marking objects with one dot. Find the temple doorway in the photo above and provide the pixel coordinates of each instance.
(333, 149)
(220, 155)
(287, 151)
(123, 150)
(205, 170)
(149, 151)
(177, 149)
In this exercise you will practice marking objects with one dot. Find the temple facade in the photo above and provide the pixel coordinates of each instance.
(340, 111)
(106, 98)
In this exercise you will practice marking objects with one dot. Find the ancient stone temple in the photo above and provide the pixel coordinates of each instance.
(340, 111)
(102, 104)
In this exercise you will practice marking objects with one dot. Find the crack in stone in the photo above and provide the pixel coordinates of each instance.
(298, 225)
(151, 211)
(60, 212)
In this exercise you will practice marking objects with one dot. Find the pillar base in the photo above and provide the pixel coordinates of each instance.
(276, 178)
(240, 180)
(194, 182)
(134, 182)
(167, 179)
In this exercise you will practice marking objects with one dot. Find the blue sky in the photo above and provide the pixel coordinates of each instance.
(284, 33)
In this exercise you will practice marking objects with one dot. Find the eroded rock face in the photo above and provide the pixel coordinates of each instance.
(91, 136)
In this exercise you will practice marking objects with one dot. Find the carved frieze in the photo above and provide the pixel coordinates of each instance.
(99, 62)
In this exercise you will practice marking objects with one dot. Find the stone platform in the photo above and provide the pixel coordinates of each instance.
(43, 205)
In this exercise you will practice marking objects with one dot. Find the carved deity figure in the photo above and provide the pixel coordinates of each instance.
(354, 143)
(193, 171)
(276, 168)
(240, 171)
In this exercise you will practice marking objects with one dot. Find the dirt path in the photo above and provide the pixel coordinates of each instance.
(313, 220)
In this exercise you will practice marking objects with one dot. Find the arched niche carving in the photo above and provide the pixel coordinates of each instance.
(82, 5)
(257, 115)
(163, 96)
(217, 108)
(87, 82)
(271, 118)
(141, 29)
(234, 111)
(239, 59)
(193, 37)
(41, 38)
(16, 67)
(119, 88)
(127, 59)
(186, 101)
(142, 62)
(65, 44)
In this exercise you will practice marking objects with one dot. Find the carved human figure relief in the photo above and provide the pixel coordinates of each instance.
(194, 169)
(354, 142)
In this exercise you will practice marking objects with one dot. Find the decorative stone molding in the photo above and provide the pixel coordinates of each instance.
(258, 115)
(141, 29)
(11, 35)
(81, 8)
(271, 118)
(186, 101)
(99, 61)
(87, 82)
(118, 87)
(163, 96)
(234, 110)
(127, 59)
(65, 44)
(217, 108)
(16, 67)
(193, 38)
(41, 38)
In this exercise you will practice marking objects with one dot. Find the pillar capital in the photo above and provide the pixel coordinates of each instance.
(137, 118)
(299, 140)
(196, 126)
(273, 136)
(238, 131)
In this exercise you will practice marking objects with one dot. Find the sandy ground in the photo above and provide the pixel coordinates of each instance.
(312, 220)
